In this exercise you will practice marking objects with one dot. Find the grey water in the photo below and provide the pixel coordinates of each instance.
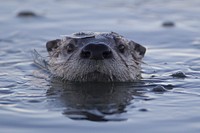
(166, 100)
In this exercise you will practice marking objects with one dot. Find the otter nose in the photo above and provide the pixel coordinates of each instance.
(96, 52)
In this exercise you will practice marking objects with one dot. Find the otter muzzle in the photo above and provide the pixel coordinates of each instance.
(96, 52)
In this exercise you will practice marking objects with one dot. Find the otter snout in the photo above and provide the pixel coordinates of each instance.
(96, 52)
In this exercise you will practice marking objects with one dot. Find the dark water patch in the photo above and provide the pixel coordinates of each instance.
(35, 101)
(168, 24)
(27, 14)
(4, 103)
(7, 85)
(5, 90)
(159, 89)
(13, 51)
(143, 110)
(179, 75)
(6, 40)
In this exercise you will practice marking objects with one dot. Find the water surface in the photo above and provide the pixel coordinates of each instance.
(30, 102)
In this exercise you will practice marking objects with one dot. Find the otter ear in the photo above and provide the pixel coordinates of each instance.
(54, 44)
(139, 50)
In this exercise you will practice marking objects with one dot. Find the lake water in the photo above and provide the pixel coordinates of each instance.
(30, 102)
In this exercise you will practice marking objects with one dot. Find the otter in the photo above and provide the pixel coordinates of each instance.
(95, 56)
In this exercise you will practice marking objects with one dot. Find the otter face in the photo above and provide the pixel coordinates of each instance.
(94, 56)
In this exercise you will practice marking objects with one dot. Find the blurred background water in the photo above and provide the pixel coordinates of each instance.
(169, 29)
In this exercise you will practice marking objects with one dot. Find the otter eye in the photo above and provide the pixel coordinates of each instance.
(121, 48)
(70, 47)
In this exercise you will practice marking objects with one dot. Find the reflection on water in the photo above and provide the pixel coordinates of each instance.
(93, 101)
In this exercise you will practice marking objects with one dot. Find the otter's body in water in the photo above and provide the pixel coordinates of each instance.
(95, 56)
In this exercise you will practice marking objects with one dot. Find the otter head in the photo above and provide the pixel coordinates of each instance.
(94, 56)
